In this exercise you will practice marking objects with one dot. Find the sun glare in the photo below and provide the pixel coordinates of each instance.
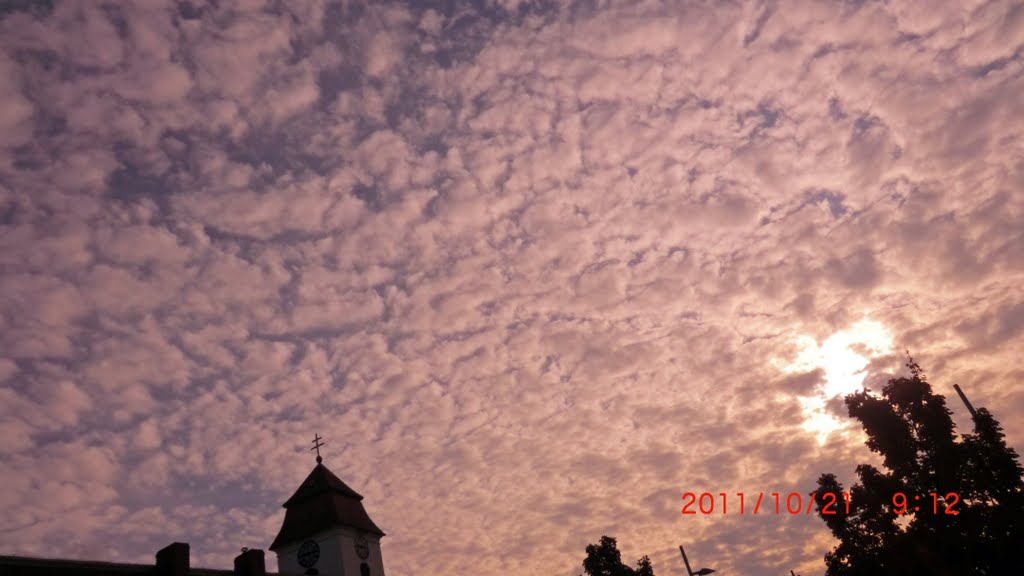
(843, 358)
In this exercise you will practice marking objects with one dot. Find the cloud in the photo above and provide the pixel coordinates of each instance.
(529, 264)
(16, 119)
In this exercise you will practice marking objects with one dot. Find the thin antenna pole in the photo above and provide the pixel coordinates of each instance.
(685, 561)
(966, 402)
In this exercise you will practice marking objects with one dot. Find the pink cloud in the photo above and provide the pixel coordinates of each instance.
(532, 265)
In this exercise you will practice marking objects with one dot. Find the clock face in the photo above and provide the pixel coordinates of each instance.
(362, 548)
(309, 553)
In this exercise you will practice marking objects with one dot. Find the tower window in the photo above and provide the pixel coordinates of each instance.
(364, 569)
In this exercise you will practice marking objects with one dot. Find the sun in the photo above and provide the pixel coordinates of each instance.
(843, 357)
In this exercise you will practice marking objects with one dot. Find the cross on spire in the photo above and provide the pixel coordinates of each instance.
(316, 446)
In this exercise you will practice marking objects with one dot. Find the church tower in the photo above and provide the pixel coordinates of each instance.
(326, 530)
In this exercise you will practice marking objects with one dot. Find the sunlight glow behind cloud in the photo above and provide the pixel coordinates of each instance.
(842, 357)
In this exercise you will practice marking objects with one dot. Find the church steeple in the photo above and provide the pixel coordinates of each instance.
(326, 530)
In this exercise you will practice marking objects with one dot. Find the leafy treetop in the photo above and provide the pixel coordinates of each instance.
(913, 431)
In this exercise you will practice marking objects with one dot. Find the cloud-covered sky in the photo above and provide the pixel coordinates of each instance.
(534, 269)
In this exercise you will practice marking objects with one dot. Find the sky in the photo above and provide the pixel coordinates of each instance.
(532, 269)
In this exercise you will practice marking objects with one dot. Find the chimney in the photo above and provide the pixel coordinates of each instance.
(250, 563)
(173, 560)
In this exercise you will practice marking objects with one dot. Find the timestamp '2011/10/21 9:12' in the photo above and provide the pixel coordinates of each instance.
(793, 503)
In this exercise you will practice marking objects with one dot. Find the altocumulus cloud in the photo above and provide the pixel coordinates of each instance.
(531, 267)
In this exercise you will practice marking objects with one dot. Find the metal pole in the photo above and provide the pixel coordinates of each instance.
(685, 561)
(966, 402)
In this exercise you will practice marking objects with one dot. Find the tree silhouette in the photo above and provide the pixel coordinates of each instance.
(643, 567)
(604, 559)
(977, 476)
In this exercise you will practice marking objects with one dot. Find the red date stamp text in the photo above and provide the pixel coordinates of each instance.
(794, 503)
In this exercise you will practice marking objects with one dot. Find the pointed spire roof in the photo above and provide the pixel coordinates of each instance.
(320, 481)
(322, 502)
